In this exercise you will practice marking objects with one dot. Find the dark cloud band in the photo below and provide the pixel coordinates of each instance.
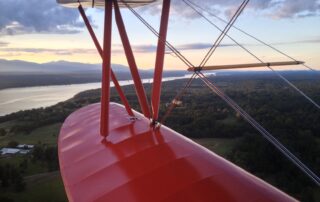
(269, 8)
(41, 16)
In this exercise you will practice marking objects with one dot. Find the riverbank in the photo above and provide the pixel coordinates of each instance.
(16, 99)
(209, 121)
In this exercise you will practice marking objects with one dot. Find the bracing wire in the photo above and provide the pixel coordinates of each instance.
(174, 51)
(250, 35)
(261, 129)
(169, 45)
(187, 2)
(232, 104)
(223, 33)
(177, 98)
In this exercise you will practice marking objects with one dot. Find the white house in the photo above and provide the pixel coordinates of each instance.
(25, 146)
(5, 151)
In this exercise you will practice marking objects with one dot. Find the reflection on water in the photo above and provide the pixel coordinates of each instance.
(15, 99)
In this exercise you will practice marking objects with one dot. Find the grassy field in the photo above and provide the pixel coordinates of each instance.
(220, 146)
(44, 135)
(46, 187)
(202, 116)
(42, 186)
(32, 169)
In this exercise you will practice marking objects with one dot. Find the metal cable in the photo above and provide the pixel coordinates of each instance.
(256, 57)
(223, 33)
(262, 130)
(170, 46)
(177, 98)
(250, 35)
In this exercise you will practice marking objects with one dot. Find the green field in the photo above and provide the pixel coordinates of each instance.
(202, 117)
(44, 135)
(220, 146)
(46, 187)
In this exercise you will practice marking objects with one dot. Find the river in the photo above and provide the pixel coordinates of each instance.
(16, 99)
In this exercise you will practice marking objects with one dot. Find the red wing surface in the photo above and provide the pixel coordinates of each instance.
(136, 163)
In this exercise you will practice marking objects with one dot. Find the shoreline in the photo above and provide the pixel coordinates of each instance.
(13, 100)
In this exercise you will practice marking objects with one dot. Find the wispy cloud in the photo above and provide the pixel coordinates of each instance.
(52, 51)
(269, 8)
(314, 40)
(297, 8)
(3, 44)
(117, 49)
(40, 16)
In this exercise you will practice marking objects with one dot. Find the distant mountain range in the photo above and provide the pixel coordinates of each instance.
(59, 67)
(17, 73)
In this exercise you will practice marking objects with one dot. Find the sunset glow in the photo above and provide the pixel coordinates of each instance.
(292, 33)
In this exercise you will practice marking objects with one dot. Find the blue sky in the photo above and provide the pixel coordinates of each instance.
(42, 31)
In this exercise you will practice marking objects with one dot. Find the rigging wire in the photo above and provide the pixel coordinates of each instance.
(246, 33)
(223, 33)
(236, 107)
(173, 103)
(176, 52)
(169, 45)
(261, 129)
(255, 56)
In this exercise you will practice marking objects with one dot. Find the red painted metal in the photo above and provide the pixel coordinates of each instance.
(113, 76)
(157, 79)
(106, 70)
(132, 63)
(137, 163)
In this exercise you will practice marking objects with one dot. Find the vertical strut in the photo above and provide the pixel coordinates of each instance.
(132, 63)
(156, 88)
(113, 76)
(105, 90)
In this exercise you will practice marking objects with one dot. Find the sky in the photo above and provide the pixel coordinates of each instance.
(42, 31)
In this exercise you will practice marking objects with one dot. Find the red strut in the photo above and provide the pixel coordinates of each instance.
(106, 67)
(132, 63)
(156, 88)
(113, 76)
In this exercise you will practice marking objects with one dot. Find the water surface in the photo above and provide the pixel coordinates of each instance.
(16, 99)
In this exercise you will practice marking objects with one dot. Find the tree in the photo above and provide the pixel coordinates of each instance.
(13, 144)
(2, 132)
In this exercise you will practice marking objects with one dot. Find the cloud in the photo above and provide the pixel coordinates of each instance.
(314, 40)
(269, 8)
(37, 16)
(297, 8)
(182, 47)
(117, 49)
(3, 44)
(45, 50)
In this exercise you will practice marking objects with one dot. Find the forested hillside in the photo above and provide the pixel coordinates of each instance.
(206, 119)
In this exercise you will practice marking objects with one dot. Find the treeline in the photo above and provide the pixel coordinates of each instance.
(256, 155)
(11, 177)
(12, 174)
(282, 111)
(46, 155)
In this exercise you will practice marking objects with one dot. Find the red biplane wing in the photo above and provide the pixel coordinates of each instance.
(108, 152)
(137, 163)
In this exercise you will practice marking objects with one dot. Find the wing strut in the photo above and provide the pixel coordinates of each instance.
(157, 79)
(106, 70)
(113, 76)
(131, 61)
(239, 66)
(256, 57)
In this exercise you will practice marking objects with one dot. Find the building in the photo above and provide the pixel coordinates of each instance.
(9, 151)
(20, 149)
(25, 146)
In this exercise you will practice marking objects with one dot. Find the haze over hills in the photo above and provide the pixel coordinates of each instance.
(58, 67)
(17, 73)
